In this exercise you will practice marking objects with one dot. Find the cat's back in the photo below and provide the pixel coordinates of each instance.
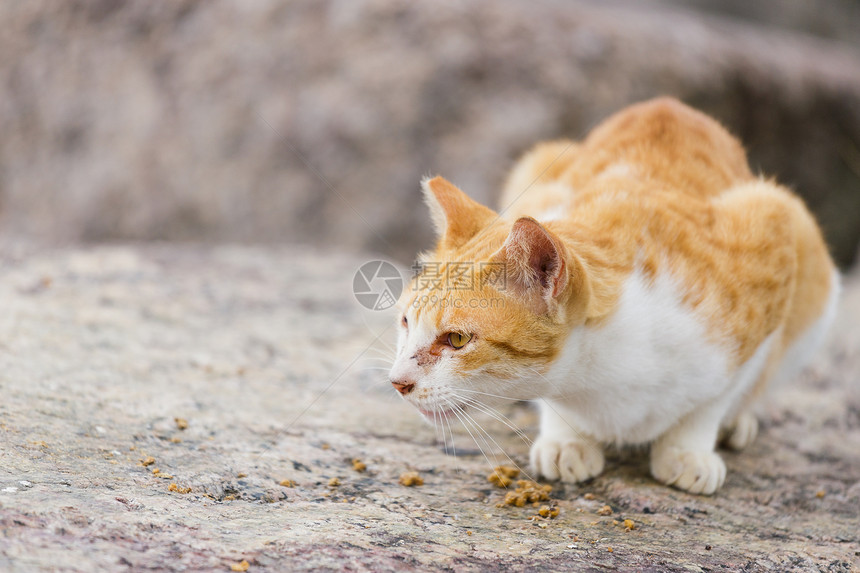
(666, 143)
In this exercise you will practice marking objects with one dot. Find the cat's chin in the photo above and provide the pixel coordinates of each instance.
(432, 415)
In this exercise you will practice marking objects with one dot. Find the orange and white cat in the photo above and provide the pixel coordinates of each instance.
(643, 286)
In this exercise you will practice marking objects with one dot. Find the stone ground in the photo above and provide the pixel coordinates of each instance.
(263, 352)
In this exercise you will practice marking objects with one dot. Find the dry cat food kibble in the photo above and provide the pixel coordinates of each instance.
(503, 476)
(629, 525)
(358, 465)
(605, 510)
(410, 479)
(181, 423)
(527, 492)
(287, 483)
(333, 482)
(177, 489)
(547, 511)
(242, 565)
(147, 461)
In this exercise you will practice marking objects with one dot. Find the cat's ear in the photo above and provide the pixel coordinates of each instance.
(456, 217)
(536, 264)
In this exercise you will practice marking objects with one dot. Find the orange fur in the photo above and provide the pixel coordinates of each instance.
(647, 272)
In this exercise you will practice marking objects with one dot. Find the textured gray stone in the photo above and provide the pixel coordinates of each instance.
(262, 351)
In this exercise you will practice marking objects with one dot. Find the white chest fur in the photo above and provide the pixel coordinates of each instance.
(632, 378)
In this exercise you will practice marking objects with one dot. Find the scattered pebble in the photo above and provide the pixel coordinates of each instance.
(10, 489)
(589, 496)
(25, 483)
(410, 479)
(707, 547)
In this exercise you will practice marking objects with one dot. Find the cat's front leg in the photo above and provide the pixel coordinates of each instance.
(562, 451)
(684, 456)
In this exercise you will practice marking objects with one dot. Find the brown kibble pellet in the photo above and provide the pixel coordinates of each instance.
(629, 525)
(527, 492)
(325, 446)
(241, 475)
(609, 549)
(333, 482)
(589, 496)
(410, 479)
(177, 489)
(242, 565)
(820, 493)
(544, 511)
(605, 510)
(181, 423)
(287, 483)
(147, 461)
(503, 476)
(553, 513)
(358, 465)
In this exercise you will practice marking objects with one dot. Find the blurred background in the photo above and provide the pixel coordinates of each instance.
(311, 122)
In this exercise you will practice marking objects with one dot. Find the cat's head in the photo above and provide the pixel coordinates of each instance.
(489, 310)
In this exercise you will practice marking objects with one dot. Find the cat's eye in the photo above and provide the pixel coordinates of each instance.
(458, 340)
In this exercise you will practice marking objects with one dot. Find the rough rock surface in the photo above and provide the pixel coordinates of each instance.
(265, 354)
(216, 120)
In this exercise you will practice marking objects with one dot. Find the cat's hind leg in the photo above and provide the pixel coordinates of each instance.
(741, 432)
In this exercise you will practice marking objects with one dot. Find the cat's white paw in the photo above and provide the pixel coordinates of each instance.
(572, 460)
(693, 471)
(742, 432)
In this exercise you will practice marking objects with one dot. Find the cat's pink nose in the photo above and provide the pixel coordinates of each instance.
(403, 386)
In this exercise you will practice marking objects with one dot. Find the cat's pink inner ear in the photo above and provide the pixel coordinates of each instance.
(455, 215)
(537, 258)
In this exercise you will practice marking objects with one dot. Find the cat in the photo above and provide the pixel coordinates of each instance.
(642, 286)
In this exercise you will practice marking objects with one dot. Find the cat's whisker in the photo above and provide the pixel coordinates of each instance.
(488, 394)
(377, 353)
(498, 416)
(451, 432)
(480, 429)
(457, 411)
